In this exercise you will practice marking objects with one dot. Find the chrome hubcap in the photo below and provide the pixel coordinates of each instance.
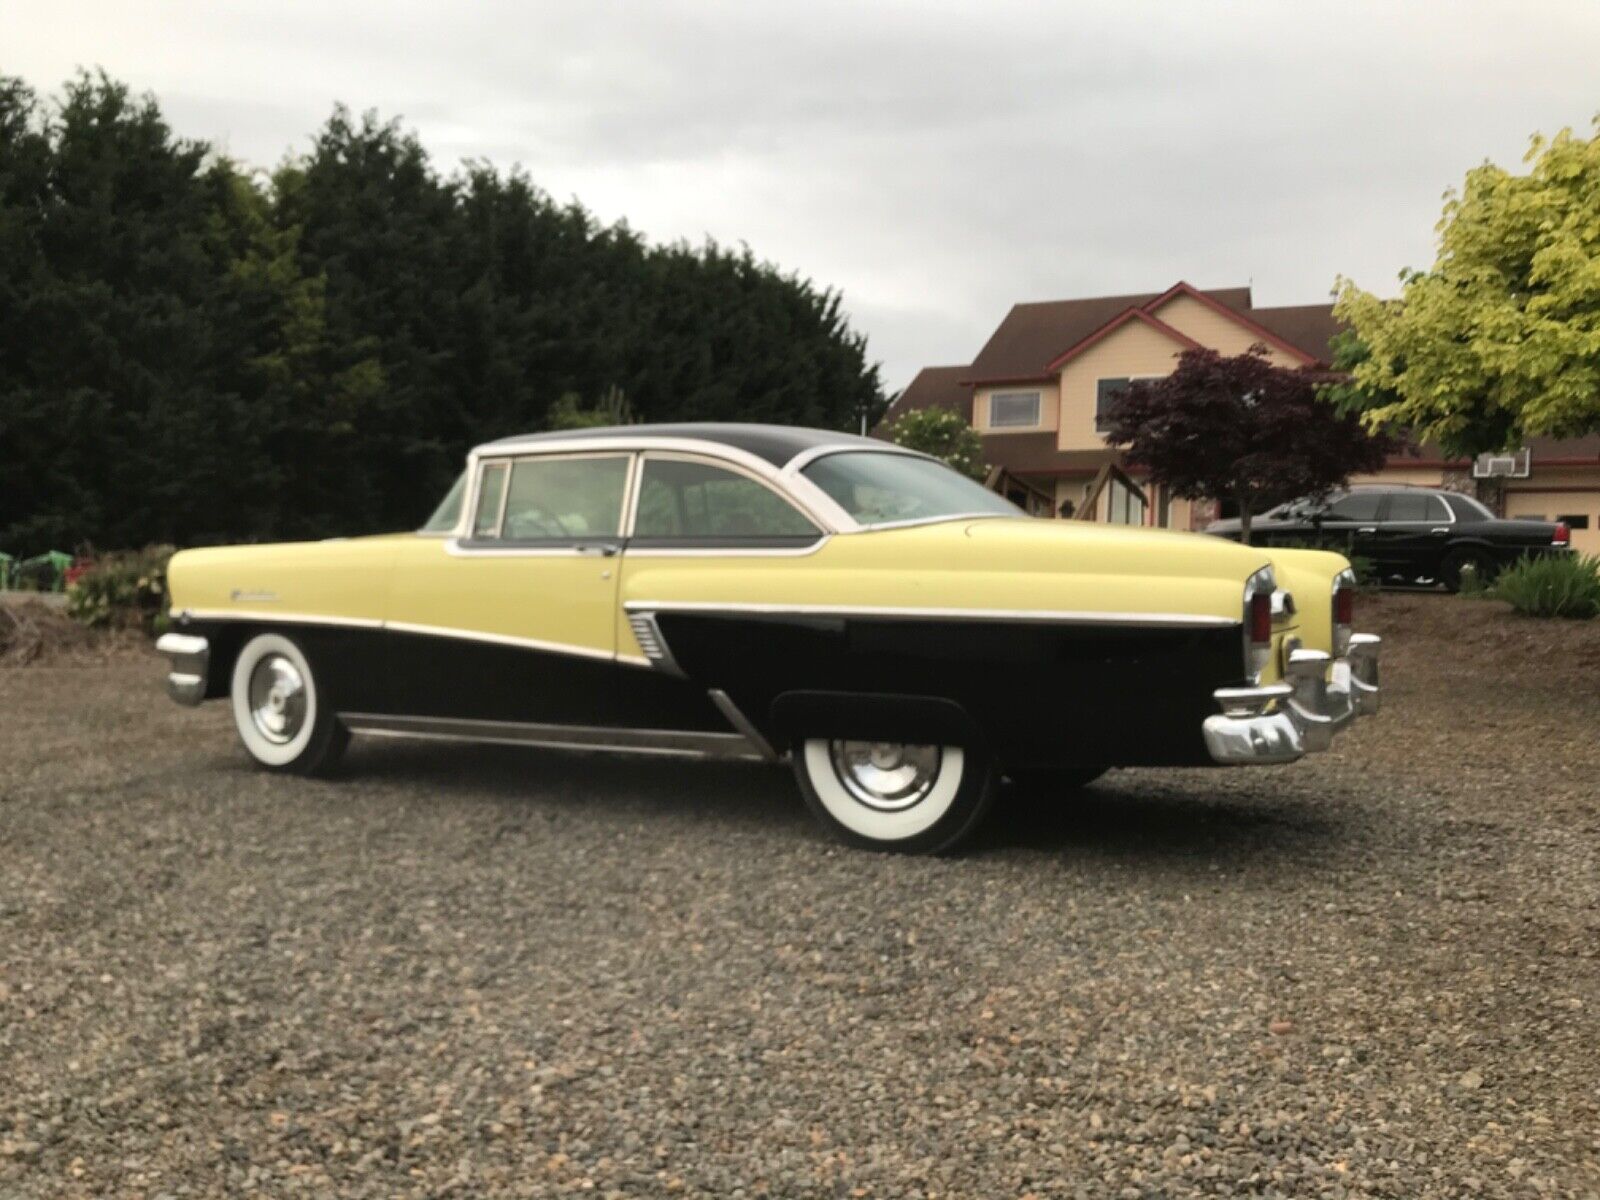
(887, 776)
(277, 698)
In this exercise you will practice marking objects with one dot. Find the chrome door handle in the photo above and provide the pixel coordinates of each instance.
(1368, 529)
(601, 551)
(1440, 529)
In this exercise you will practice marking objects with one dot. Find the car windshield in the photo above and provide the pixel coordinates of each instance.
(882, 488)
(449, 511)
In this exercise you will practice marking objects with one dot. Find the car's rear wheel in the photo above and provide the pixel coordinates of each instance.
(912, 799)
(278, 708)
(1464, 564)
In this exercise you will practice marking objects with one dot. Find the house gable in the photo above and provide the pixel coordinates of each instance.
(1221, 327)
(1135, 348)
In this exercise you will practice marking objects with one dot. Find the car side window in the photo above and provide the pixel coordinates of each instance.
(552, 498)
(1407, 506)
(491, 492)
(1358, 506)
(681, 501)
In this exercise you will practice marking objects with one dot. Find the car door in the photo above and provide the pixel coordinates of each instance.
(1349, 524)
(702, 532)
(1413, 533)
(514, 619)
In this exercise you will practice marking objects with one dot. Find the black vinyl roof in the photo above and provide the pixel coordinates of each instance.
(775, 443)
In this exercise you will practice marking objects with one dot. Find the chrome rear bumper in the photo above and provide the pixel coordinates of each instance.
(190, 657)
(1280, 722)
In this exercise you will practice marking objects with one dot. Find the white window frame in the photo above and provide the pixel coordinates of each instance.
(1038, 410)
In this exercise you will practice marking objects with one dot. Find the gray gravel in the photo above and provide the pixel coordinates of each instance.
(474, 972)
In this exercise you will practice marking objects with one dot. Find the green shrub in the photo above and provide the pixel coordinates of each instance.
(122, 589)
(1562, 585)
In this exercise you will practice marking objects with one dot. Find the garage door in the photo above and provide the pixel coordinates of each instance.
(1580, 510)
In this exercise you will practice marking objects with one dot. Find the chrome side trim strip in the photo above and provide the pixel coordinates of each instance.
(739, 721)
(677, 743)
(1042, 616)
(465, 635)
(283, 618)
(500, 639)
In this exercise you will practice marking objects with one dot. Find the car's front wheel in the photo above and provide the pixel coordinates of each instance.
(912, 799)
(279, 711)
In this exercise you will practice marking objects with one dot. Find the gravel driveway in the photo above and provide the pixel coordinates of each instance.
(478, 972)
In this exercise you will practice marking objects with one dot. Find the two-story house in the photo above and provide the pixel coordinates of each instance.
(1037, 390)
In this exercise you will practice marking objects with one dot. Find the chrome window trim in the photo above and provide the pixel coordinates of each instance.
(798, 490)
(729, 551)
(1041, 616)
(455, 549)
(478, 473)
(678, 743)
(631, 516)
(479, 465)
(796, 465)
(912, 522)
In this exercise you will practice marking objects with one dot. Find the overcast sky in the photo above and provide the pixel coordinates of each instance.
(936, 162)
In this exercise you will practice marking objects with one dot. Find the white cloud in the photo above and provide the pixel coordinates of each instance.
(936, 162)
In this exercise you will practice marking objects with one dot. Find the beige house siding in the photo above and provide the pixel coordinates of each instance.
(1560, 492)
(1215, 330)
(1049, 406)
(1133, 350)
(1420, 476)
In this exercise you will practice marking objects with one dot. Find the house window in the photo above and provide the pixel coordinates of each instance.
(1105, 392)
(1013, 410)
(1574, 520)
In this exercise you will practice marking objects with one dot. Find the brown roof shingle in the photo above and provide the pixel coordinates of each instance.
(1032, 335)
(934, 387)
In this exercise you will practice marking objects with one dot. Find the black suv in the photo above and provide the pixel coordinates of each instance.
(1409, 534)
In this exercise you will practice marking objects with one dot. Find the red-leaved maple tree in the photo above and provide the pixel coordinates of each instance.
(1243, 428)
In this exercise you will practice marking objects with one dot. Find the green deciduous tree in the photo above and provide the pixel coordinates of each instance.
(945, 435)
(1500, 339)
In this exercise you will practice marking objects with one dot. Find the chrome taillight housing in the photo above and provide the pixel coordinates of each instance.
(1344, 611)
(1258, 591)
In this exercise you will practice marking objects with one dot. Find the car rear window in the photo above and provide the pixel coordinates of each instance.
(1416, 506)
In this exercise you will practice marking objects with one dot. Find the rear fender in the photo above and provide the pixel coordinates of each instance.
(873, 717)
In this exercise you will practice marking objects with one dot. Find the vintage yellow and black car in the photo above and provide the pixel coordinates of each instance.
(900, 634)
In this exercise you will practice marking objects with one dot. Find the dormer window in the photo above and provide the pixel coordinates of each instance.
(1013, 410)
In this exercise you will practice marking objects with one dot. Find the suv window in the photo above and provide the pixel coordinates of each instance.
(1357, 506)
(1417, 506)
(553, 498)
(679, 499)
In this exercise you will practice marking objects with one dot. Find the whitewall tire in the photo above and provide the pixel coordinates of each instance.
(914, 799)
(278, 709)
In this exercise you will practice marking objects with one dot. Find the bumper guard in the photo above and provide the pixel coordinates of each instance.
(1281, 722)
(190, 658)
